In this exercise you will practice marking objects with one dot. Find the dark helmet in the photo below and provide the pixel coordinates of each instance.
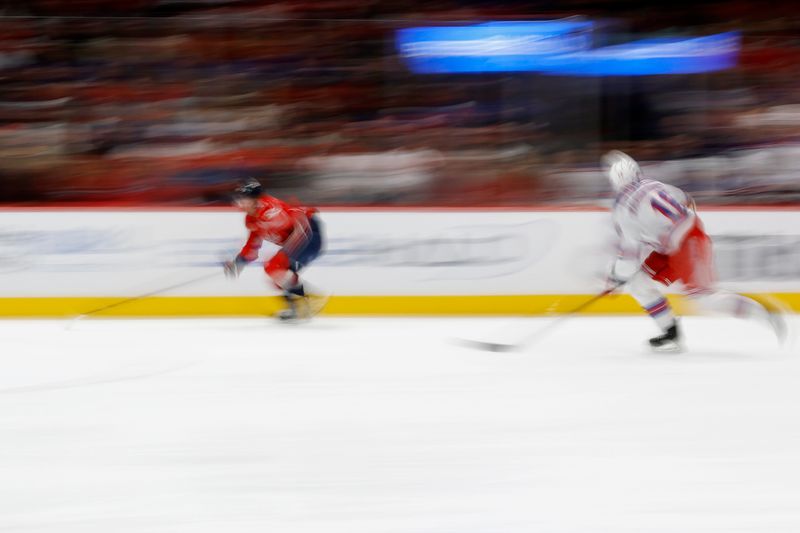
(250, 188)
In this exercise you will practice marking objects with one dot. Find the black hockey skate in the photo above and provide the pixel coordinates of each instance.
(668, 342)
(289, 315)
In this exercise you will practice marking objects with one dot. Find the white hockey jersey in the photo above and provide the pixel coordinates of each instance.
(651, 216)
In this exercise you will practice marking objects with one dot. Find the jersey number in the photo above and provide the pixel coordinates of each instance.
(668, 206)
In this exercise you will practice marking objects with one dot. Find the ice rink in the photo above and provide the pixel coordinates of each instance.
(371, 425)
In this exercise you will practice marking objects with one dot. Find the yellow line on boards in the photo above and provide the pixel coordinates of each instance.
(342, 305)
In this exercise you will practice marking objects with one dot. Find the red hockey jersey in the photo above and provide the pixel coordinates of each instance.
(277, 222)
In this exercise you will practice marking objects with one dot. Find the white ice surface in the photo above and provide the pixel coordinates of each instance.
(352, 425)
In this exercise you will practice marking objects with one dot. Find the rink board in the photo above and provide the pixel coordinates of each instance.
(67, 262)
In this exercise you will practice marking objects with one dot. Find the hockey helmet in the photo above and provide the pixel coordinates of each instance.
(250, 188)
(621, 169)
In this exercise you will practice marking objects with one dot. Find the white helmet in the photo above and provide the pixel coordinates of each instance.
(621, 168)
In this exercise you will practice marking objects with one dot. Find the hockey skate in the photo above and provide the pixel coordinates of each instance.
(295, 310)
(302, 308)
(669, 341)
(775, 316)
(778, 324)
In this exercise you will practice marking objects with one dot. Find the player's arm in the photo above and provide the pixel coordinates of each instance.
(626, 262)
(248, 253)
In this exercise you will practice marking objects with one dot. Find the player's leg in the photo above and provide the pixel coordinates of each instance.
(278, 268)
(694, 266)
(313, 299)
(284, 271)
(740, 306)
(691, 263)
(652, 300)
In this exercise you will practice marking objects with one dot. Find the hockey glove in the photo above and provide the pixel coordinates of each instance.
(621, 271)
(234, 267)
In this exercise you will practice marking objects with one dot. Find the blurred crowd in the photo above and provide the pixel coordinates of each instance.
(171, 101)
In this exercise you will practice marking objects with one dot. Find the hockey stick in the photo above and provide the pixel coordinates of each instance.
(541, 332)
(145, 295)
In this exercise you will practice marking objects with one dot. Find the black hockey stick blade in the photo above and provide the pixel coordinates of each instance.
(486, 346)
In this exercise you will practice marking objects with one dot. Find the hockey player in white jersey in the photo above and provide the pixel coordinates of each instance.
(661, 240)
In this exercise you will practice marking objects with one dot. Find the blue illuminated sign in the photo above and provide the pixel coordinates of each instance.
(558, 48)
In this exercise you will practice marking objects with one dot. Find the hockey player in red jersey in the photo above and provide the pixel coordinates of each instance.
(661, 240)
(298, 232)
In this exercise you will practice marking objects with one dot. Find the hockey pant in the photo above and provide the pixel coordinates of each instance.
(283, 269)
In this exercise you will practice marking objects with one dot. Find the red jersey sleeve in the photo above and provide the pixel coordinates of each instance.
(249, 251)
